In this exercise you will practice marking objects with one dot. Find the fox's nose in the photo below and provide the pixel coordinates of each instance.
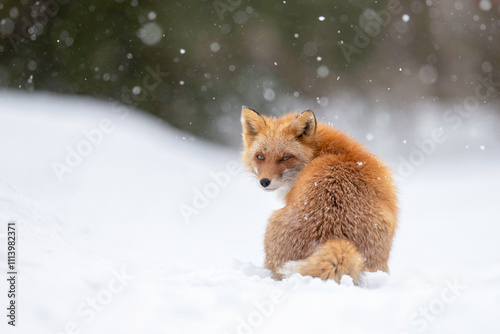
(265, 182)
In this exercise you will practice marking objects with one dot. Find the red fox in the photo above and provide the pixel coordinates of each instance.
(341, 207)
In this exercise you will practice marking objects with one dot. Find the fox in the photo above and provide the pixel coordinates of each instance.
(340, 205)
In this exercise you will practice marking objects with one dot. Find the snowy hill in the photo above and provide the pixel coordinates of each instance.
(126, 225)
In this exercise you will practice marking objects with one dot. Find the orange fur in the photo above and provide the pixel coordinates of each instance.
(340, 199)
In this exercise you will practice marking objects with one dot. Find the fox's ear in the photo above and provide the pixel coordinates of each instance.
(252, 123)
(304, 125)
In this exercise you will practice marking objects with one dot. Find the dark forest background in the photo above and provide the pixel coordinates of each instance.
(193, 63)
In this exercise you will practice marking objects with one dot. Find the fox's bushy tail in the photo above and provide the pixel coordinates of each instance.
(331, 260)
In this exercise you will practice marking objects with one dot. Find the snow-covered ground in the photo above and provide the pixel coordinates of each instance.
(126, 225)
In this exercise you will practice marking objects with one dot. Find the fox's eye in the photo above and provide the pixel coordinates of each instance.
(285, 158)
(260, 157)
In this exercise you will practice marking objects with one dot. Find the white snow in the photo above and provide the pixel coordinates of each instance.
(485, 5)
(214, 46)
(323, 71)
(150, 33)
(136, 90)
(107, 249)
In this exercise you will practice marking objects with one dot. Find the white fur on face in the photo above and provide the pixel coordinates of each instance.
(284, 184)
(290, 176)
(282, 192)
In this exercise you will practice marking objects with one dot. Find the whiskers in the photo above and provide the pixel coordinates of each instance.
(252, 174)
(290, 176)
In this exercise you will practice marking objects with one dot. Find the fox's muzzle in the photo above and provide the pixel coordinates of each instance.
(265, 182)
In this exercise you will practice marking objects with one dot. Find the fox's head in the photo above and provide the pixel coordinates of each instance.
(277, 149)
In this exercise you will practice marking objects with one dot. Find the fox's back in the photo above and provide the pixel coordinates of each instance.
(343, 192)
